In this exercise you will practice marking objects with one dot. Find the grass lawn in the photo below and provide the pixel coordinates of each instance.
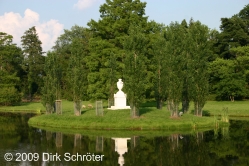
(24, 107)
(235, 109)
(150, 119)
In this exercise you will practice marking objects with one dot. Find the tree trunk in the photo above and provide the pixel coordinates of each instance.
(134, 111)
(185, 105)
(198, 109)
(49, 108)
(168, 105)
(159, 103)
(77, 107)
(174, 108)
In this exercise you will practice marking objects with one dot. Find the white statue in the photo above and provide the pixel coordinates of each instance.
(120, 97)
(120, 84)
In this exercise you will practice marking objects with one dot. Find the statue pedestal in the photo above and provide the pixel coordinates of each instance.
(119, 101)
(119, 98)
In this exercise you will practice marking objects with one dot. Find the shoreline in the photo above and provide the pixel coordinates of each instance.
(150, 118)
(119, 120)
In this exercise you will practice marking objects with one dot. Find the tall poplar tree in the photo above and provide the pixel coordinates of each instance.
(160, 74)
(174, 65)
(64, 51)
(186, 75)
(135, 69)
(33, 61)
(51, 82)
(77, 73)
(199, 52)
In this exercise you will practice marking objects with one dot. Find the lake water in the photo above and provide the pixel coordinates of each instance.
(25, 146)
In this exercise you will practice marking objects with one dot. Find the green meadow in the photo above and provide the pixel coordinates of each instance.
(150, 117)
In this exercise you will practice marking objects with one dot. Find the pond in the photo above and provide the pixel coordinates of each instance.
(24, 145)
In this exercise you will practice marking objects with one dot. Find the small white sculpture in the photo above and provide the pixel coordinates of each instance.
(120, 97)
(120, 84)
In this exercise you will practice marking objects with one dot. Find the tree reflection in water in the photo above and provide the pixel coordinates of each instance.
(224, 146)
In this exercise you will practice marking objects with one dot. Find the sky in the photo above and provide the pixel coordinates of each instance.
(51, 17)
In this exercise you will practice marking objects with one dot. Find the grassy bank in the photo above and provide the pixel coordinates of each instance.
(235, 109)
(150, 119)
(29, 107)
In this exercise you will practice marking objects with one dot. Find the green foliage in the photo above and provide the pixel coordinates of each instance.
(186, 58)
(199, 54)
(33, 61)
(234, 33)
(10, 69)
(227, 81)
(72, 49)
(74, 42)
(160, 72)
(174, 64)
(106, 60)
(135, 69)
(51, 81)
(240, 51)
(77, 71)
(10, 55)
(9, 95)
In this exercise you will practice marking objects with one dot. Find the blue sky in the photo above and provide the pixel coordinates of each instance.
(52, 16)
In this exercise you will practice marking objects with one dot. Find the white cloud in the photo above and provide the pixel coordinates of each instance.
(15, 25)
(83, 4)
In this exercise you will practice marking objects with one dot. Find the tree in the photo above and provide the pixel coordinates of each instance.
(107, 43)
(77, 73)
(9, 94)
(174, 63)
(199, 50)
(159, 61)
(51, 88)
(11, 57)
(10, 70)
(226, 82)
(244, 14)
(64, 51)
(187, 53)
(135, 69)
(186, 56)
(242, 63)
(234, 33)
(112, 64)
(33, 61)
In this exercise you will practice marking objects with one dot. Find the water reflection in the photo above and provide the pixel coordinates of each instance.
(224, 146)
(121, 148)
(99, 144)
